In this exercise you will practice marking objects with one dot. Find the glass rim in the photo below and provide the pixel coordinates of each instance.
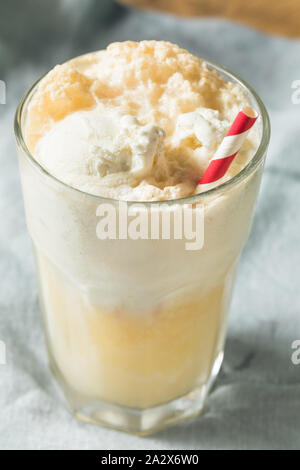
(227, 185)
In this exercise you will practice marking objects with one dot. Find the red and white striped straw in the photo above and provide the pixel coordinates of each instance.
(230, 146)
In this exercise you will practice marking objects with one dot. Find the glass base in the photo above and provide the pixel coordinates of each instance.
(138, 421)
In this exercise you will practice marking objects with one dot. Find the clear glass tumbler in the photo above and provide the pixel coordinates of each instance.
(135, 329)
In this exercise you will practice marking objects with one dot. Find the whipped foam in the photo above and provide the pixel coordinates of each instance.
(205, 127)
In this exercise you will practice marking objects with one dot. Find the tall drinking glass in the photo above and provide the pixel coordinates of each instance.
(135, 328)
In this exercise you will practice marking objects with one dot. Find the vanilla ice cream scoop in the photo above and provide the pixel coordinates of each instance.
(100, 143)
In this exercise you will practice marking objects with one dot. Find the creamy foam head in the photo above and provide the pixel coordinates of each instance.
(137, 121)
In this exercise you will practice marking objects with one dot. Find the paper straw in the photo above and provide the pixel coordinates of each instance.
(230, 146)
